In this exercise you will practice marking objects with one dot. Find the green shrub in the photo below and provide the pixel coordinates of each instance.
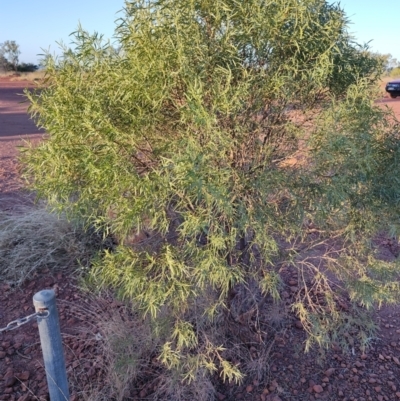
(179, 145)
(27, 67)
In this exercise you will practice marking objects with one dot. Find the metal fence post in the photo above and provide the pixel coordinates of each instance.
(50, 339)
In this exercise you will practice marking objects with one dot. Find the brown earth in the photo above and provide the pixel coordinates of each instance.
(291, 374)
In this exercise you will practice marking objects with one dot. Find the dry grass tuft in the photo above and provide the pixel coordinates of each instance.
(171, 388)
(125, 345)
(31, 238)
(129, 348)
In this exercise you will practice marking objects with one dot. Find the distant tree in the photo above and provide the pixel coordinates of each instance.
(388, 61)
(4, 64)
(10, 51)
(392, 63)
(27, 67)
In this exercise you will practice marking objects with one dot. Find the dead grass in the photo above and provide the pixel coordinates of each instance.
(125, 343)
(31, 238)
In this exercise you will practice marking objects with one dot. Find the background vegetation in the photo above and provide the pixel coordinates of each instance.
(395, 72)
(9, 58)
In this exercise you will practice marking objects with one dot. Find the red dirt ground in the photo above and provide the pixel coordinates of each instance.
(293, 376)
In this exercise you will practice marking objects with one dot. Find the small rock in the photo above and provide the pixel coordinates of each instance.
(329, 372)
(10, 351)
(24, 375)
(10, 381)
(249, 388)
(298, 324)
(318, 388)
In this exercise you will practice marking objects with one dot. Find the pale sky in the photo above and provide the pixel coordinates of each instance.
(37, 25)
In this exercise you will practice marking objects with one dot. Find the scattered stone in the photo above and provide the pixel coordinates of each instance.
(318, 388)
(10, 381)
(24, 375)
(329, 372)
(298, 324)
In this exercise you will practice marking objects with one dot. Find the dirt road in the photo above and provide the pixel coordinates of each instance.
(15, 127)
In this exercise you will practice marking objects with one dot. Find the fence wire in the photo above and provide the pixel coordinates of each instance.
(23, 320)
